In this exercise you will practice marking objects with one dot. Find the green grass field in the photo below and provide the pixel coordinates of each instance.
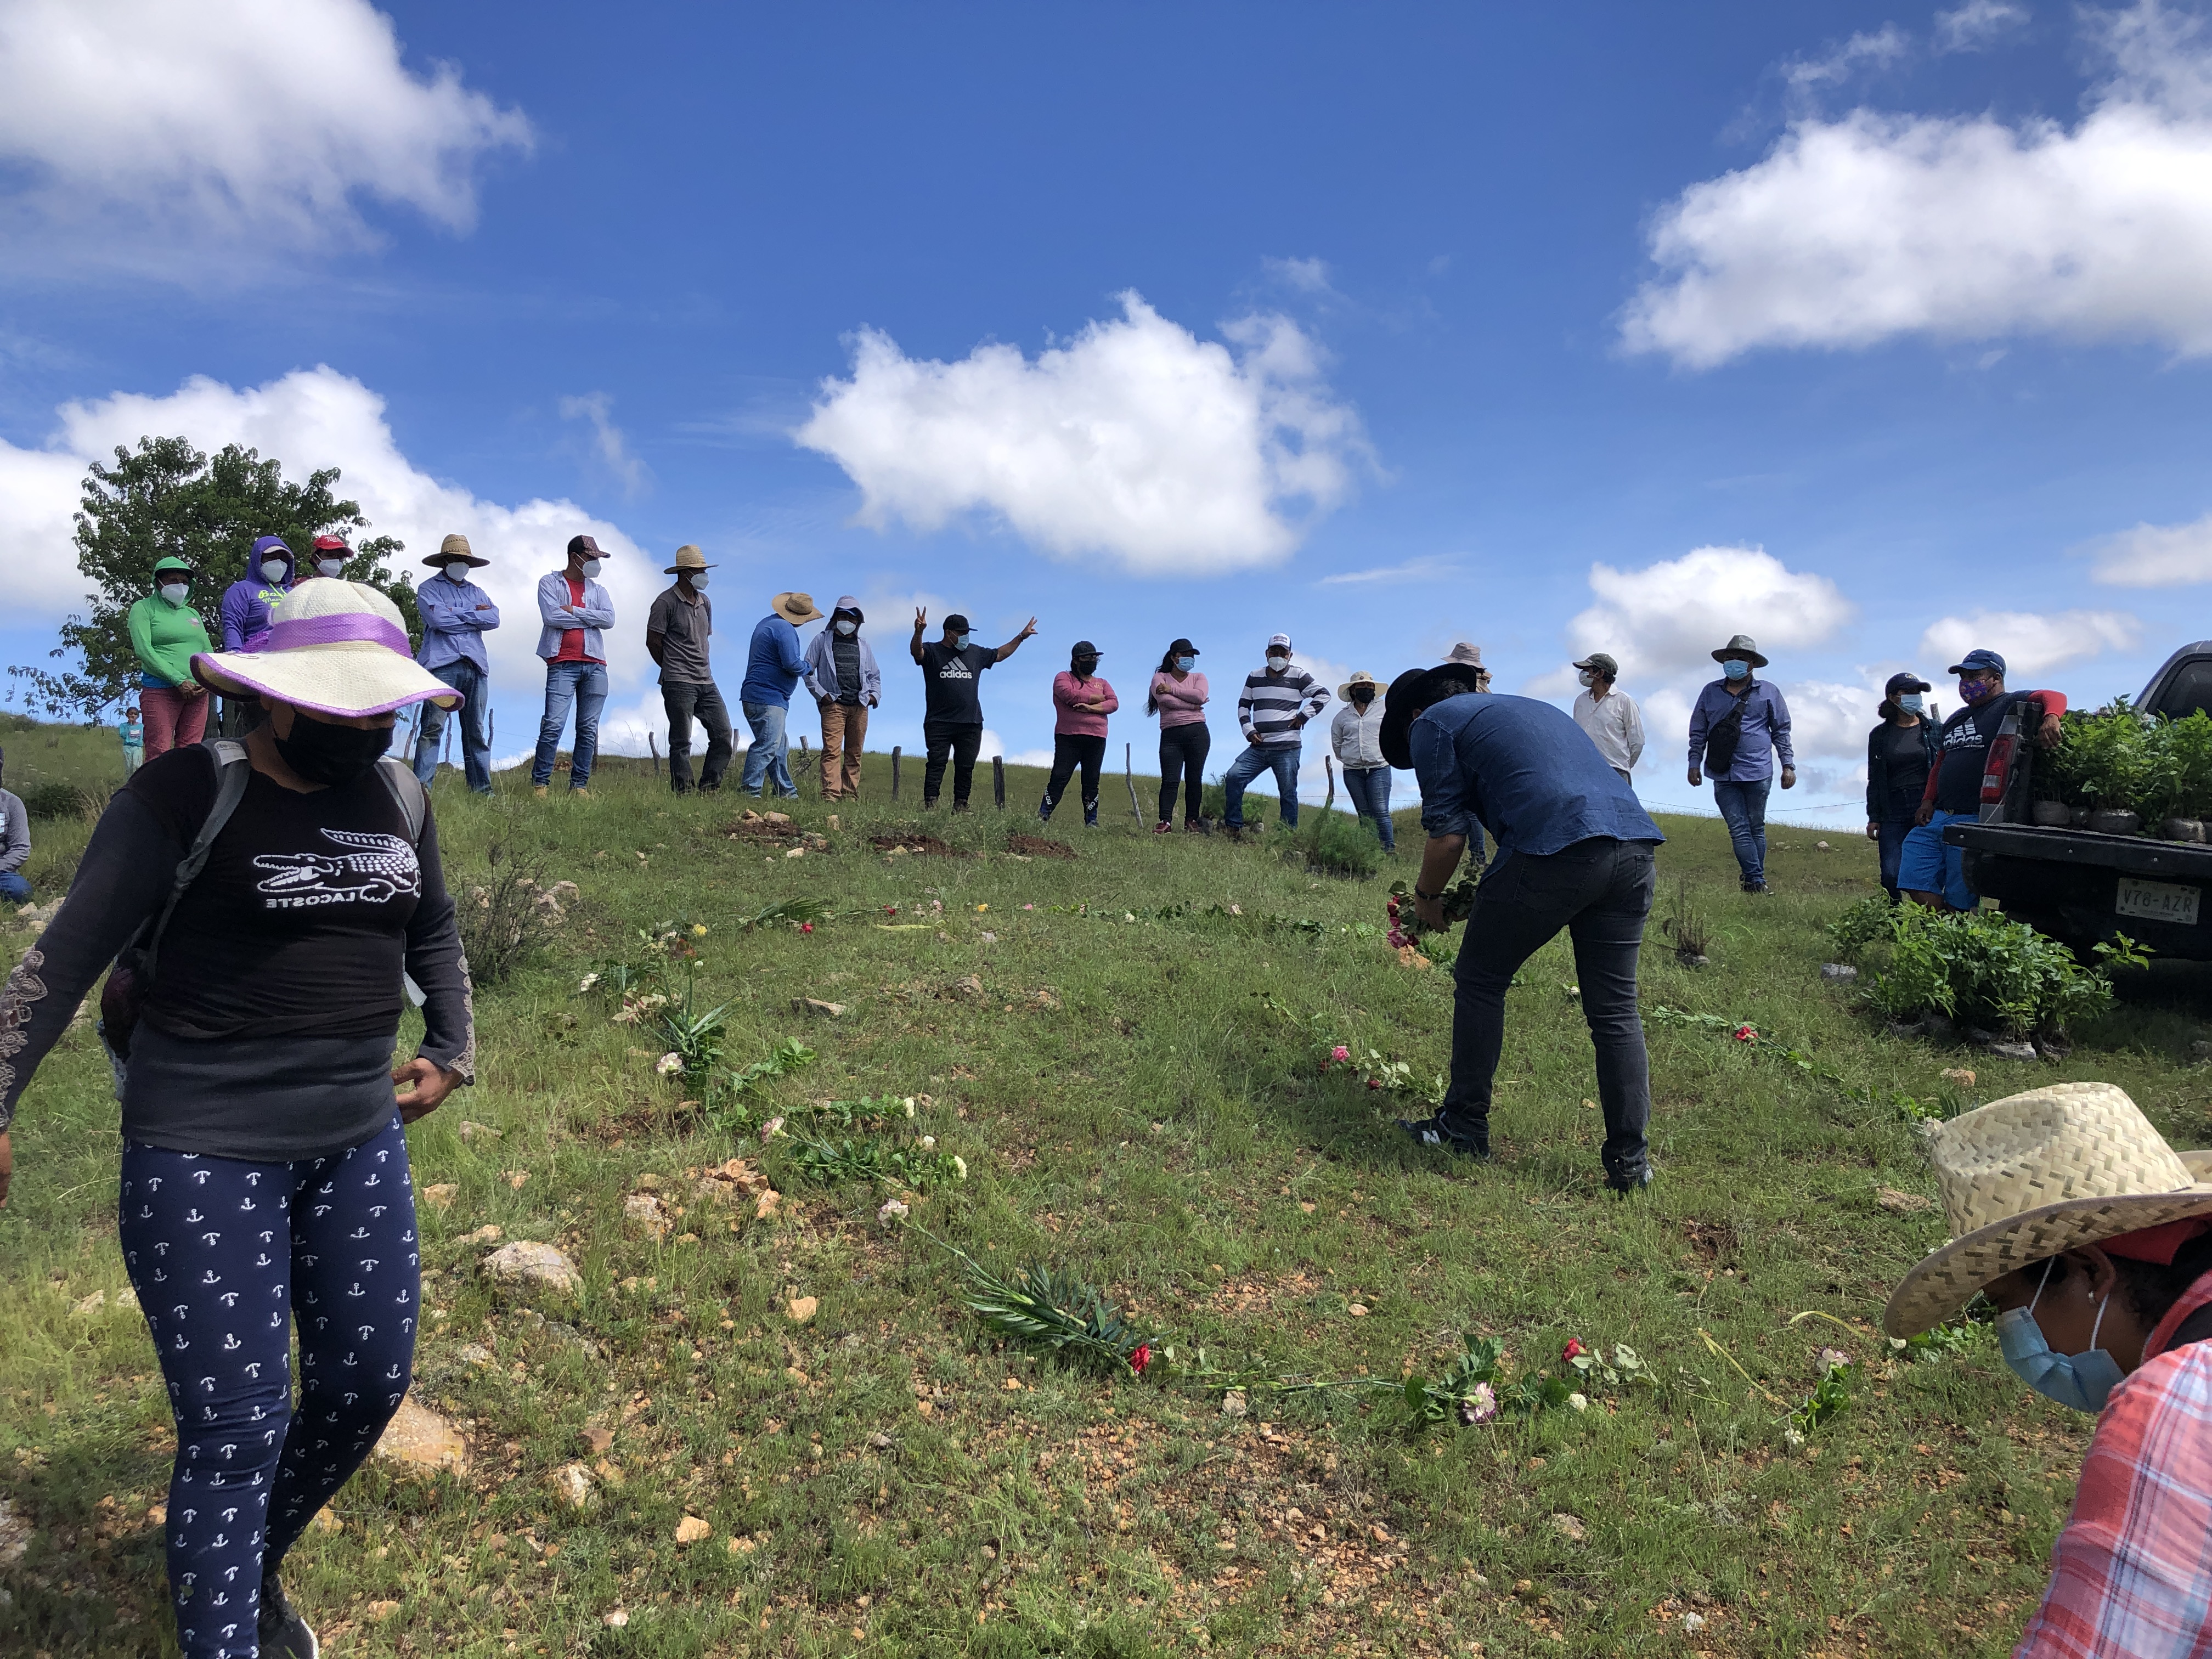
(1130, 1079)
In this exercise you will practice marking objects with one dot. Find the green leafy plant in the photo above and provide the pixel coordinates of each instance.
(800, 913)
(693, 1037)
(1036, 1308)
(733, 1105)
(1981, 966)
(1335, 843)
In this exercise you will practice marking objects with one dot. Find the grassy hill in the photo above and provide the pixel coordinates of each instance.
(1123, 1049)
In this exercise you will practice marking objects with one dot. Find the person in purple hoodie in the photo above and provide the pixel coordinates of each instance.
(270, 572)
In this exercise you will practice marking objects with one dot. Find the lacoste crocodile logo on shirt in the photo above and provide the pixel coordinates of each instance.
(381, 869)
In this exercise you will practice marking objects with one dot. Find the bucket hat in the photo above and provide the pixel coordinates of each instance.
(688, 557)
(1466, 655)
(455, 546)
(335, 648)
(1359, 677)
(2037, 1174)
(1740, 646)
(1411, 692)
(793, 608)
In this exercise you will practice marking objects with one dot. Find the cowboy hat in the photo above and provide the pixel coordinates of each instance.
(455, 546)
(688, 557)
(2035, 1175)
(1359, 677)
(795, 608)
(1412, 692)
(1740, 647)
(335, 648)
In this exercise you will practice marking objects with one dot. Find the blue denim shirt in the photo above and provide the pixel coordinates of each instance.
(1766, 732)
(1523, 769)
(453, 626)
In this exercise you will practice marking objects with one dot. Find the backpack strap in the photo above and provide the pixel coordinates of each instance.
(2195, 1328)
(407, 789)
(233, 772)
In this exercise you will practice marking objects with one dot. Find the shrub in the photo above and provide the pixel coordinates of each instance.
(1335, 842)
(2160, 768)
(504, 918)
(56, 800)
(1977, 966)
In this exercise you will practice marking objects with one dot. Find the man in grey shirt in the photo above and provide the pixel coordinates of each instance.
(15, 845)
(676, 634)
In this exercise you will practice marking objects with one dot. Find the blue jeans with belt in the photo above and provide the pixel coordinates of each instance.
(1744, 806)
(582, 685)
(1282, 758)
(1369, 789)
(465, 678)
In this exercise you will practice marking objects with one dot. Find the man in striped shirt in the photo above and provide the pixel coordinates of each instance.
(1273, 709)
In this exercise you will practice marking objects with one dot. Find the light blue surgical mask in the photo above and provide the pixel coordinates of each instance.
(2082, 1380)
(958, 642)
(1736, 668)
(1186, 664)
(174, 592)
(457, 570)
(1910, 702)
(272, 571)
(698, 580)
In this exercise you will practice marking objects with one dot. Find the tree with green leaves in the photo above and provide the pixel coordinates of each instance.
(168, 498)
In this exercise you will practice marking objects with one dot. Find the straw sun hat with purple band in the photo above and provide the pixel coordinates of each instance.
(335, 648)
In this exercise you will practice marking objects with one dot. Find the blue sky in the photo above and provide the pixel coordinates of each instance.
(1870, 331)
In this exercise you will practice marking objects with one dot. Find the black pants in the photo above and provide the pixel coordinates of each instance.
(704, 704)
(960, 742)
(1182, 757)
(1600, 890)
(1069, 750)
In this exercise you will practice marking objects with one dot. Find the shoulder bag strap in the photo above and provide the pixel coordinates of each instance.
(414, 805)
(2195, 1328)
(233, 772)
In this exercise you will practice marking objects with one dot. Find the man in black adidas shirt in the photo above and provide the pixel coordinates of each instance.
(1932, 873)
(952, 715)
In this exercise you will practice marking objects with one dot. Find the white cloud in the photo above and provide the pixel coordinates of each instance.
(2031, 643)
(1877, 50)
(313, 418)
(1667, 619)
(1411, 570)
(2157, 556)
(1871, 226)
(1977, 25)
(1307, 275)
(1173, 455)
(609, 446)
(243, 121)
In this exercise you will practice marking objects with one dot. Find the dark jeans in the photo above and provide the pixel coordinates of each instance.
(1744, 806)
(1182, 762)
(960, 742)
(685, 703)
(469, 680)
(1281, 758)
(1069, 750)
(1600, 890)
(1369, 789)
(1889, 847)
(227, 1256)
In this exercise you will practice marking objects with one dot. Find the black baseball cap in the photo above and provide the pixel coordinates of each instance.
(956, 623)
(1084, 648)
(587, 545)
(1904, 683)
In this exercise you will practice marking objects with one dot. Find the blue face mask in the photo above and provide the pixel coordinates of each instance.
(958, 642)
(1186, 664)
(1910, 702)
(1736, 668)
(2082, 1380)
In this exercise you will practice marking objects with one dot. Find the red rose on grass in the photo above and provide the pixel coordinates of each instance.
(1574, 1350)
(1374, 1082)
(1744, 1034)
(1142, 1358)
(805, 927)
(1339, 1052)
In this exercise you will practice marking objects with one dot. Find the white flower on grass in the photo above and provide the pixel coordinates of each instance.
(1579, 1401)
(585, 984)
(929, 1143)
(893, 1212)
(669, 1064)
(960, 1166)
(909, 1103)
(771, 1129)
(1834, 1359)
(1793, 1440)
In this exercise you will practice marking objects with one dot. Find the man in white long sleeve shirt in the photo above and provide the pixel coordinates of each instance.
(1610, 717)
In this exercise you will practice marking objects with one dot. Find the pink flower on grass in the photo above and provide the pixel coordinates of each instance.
(1574, 1350)
(1339, 1052)
(1142, 1358)
(805, 927)
(1834, 1359)
(1374, 1082)
(1745, 1034)
(1480, 1406)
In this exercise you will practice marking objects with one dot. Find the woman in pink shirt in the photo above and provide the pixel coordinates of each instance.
(1178, 696)
(1082, 701)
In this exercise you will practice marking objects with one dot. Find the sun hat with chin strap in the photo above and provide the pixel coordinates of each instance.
(334, 647)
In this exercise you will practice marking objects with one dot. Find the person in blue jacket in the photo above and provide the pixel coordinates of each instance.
(1900, 753)
(456, 615)
(774, 665)
(271, 571)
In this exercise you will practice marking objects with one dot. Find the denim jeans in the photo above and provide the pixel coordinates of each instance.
(469, 680)
(1600, 890)
(1369, 789)
(684, 703)
(1182, 765)
(1889, 847)
(1069, 750)
(583, 685)
(765, 765)
(14, 888)
(1744, 806)
(1282, 758)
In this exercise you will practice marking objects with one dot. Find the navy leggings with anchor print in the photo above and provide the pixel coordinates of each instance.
(225, 1254)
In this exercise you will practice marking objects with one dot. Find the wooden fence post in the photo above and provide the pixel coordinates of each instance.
(1329, 771)
(998, 780)
(894, 771)
(1129, 777)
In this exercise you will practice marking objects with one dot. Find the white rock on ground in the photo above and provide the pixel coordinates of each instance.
(533, 1266)
(419, 1439)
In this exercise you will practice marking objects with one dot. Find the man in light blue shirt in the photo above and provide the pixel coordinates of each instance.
(774, 664)
(574, 611)
(1575, 850)
(1740, 727)
(456, 615)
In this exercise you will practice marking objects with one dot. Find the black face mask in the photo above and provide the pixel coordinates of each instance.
(322, 753)
(1363, 698)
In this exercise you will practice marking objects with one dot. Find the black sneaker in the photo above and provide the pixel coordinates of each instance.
(1632, 1181)
(1756, 887)
(1435, 1132)
(283, 1633)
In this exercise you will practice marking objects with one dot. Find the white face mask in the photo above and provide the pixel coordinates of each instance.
(175, 592)
(272, 571)
(848, 628)
(329, 567)
(698, 580)
(1587, 678)
(591, 567)
(1277, 661)
(458, 571)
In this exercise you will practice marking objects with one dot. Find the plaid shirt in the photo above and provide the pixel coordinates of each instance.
(2132, 1572)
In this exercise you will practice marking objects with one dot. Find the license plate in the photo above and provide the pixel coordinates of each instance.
(2159, 901)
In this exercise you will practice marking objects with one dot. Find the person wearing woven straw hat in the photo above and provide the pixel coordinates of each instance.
(842, 675)
(677, 629)
(456, 615)
(2092, 1238)
(1611, 717)
(1356, 736)
(263, 905)
(774, 664)
(574, 613)
(1739, 725)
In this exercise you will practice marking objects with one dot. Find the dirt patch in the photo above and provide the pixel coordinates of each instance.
(773, 829)
(1036, 847)
(1714, 1240)
(1246, 1296)
(911, 840)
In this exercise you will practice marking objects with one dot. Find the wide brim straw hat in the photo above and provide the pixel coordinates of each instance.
(689, 557)
(2035, 1175)
(1359, 677)
(455, 546)
(795, 608)
(335, 648)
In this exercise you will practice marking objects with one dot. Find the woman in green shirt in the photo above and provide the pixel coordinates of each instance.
(165, 632)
